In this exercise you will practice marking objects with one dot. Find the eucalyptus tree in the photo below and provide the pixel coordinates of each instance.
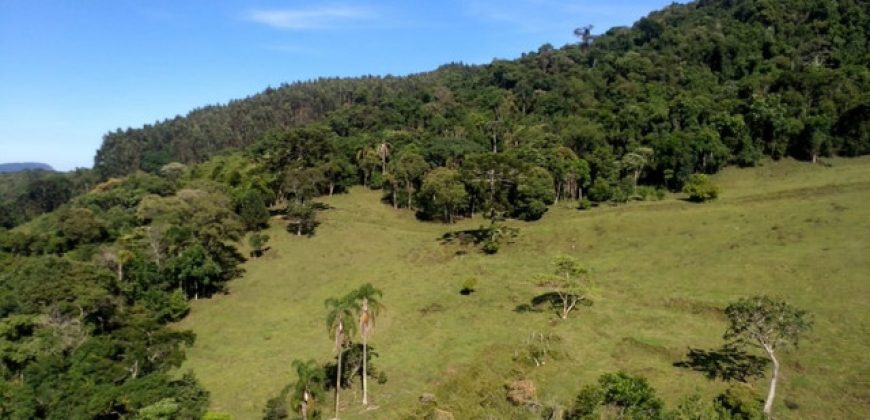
(339, 323)
(368, 299)
(767, 323)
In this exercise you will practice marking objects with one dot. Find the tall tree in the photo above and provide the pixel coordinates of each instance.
(443, 191)
(635, 162)
(368, 298)
(410, 166)
(308, 387)
(565, 287)
(384, 150)
(766, 323)
(339, 322)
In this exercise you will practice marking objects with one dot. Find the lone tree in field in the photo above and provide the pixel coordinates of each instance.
(308, 387)
(565, 284)
(339, 321)
(767, 323)
(368, 299)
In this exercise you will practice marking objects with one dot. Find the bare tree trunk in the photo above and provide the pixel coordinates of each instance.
(365, 400)
(331, 188)
(558, 191)
(771, 392)
(337, 381)
(636, 176)
(304, 409)
(395, 200)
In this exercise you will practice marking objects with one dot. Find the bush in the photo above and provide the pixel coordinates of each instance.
(257, 241)
(600, 191)
(695, 407)
(490, 247)
(699, 188)
(630, 395)
(741, 403)
(643, 193)
(468, 286)
(584, 204)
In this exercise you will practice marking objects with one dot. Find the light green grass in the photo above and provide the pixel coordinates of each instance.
(787, 228)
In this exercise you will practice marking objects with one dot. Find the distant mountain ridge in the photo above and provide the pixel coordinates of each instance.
(24, 166)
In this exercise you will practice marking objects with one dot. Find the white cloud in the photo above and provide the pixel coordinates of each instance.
(324, 17)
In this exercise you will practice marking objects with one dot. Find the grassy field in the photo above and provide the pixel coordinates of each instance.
(664, 269)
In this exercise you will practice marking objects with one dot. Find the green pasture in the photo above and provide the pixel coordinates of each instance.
(662, 270)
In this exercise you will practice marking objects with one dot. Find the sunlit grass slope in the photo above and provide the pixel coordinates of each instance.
(663, 268)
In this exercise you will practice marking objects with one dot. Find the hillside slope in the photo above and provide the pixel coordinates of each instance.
(663, 269)
(734, 79)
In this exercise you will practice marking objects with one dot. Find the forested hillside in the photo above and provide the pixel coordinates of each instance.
(703, 84)
(95, 264)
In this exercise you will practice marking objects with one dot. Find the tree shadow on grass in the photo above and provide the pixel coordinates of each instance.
(465, 237)
(550, 300)
(726, 363)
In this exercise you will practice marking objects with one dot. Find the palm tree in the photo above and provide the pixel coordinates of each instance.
(308, 387)
(384, 152)
(340, 312)
(368, 298)
(636, 162)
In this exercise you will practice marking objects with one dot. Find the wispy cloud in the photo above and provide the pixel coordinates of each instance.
(301, 19)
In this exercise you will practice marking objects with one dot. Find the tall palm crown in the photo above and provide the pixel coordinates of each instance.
(341, 311)
(370, 307)
(309, 385)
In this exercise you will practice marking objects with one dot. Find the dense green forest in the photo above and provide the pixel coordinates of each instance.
(96, 263)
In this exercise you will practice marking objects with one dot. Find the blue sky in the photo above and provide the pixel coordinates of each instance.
(70, 71)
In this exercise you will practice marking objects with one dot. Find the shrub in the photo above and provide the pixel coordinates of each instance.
(584, 204)
(490, 247)
(741, 403)
(600, 191)
(257, 241)
(699, 188)
(468, 286)
(630, 395)
(644, 192)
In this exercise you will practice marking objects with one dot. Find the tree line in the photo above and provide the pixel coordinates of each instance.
(684, 90)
